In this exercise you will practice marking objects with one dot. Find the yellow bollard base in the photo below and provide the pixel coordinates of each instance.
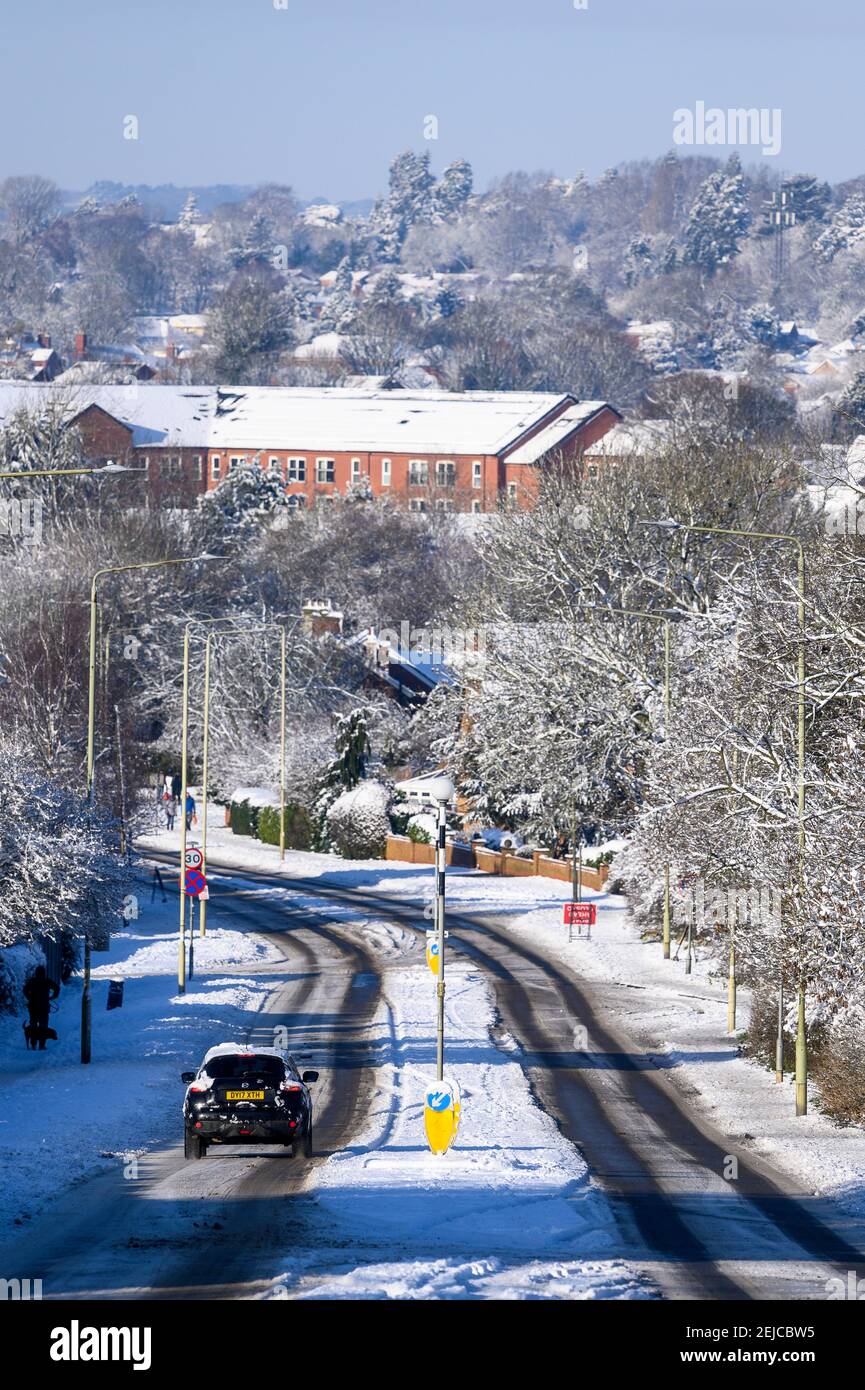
(442, 1112)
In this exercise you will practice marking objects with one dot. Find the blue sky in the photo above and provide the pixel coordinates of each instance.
(320, 94)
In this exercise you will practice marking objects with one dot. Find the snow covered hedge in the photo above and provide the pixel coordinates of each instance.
(358, 821)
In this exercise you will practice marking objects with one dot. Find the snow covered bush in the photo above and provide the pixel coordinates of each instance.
(358, 821)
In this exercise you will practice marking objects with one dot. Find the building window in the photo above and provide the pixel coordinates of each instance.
(418, 472)
(170, 467)
(476, 506)
(416, 504)
(198, 465)
(592, 472)
(296, 470)
(297, 501)
(512, 492)
(324, 470)
(446, 473)
(274, 461)
(235, 461)
(355, 470)
(444, 504)
(385, 472)
(216, 466)
(477, 473)
(325, 498)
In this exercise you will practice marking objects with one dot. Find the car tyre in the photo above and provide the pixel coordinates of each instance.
(193, 1145)
(306, 1142)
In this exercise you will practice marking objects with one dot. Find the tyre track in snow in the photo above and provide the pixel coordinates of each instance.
(218, 1228)
(698, 1235)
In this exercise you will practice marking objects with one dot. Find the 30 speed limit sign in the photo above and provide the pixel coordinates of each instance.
(194, 858)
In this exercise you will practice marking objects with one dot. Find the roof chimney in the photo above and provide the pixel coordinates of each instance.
(80, 346)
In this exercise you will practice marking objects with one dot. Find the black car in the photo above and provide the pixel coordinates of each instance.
(247, 1095)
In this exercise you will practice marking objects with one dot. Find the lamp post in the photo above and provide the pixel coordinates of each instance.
(101, 470)
(801, 1036)
(205, 753)
(91, 714)
(441, 789)
(91, 729)
(666, 619)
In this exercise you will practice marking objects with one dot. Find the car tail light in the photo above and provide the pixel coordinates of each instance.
(292, 1123)
(289, 1086)
(200, 1086)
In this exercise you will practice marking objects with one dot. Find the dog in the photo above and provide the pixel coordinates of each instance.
(33, 1035)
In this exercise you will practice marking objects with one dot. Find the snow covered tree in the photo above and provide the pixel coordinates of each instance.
(638, 261)
(190, 216)
(807, 198)
(250, 326)
(59, 869)
(845, 229)
(258, 243)
(453, 190)
(409, 202)
(346, 769)
(718, 219)
(235, 513)
(340, 307)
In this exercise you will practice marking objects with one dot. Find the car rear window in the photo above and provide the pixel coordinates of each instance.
(232, 1068)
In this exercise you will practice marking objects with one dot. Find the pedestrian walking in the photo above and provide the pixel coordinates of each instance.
(176, 785)
(170, 812)
(39, 990)
(190, 810)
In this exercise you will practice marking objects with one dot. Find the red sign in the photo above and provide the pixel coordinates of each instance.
(196, 884)
(579, 914)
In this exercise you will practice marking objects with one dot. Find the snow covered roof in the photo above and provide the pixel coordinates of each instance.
(556, 432)
(429, 421)
(635, 437)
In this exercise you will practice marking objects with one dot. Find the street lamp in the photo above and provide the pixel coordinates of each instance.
(184, 763)
(801, 1037)
(91, 723)
(666, 618)
(240, 632)
(100, 471)
(441, 789)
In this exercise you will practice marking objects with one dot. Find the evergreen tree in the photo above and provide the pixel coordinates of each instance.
(638, 261)
(189, 214)
(806, 197)
(347, 768)
(718, 219)
(846, 229)
(234, 514)
(453, 190)
(258, 243)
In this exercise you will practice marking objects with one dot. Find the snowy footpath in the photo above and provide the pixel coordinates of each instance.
(61, 1122)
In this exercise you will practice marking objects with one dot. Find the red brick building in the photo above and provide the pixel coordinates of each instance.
(458, 451)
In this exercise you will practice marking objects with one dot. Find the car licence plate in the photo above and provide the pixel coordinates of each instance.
(245, 1095)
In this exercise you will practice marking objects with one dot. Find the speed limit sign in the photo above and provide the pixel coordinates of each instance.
(194, 858)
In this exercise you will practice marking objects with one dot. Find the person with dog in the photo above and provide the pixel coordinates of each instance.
(39, 990)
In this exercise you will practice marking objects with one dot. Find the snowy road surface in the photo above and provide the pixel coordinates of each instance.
(580, 1170)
